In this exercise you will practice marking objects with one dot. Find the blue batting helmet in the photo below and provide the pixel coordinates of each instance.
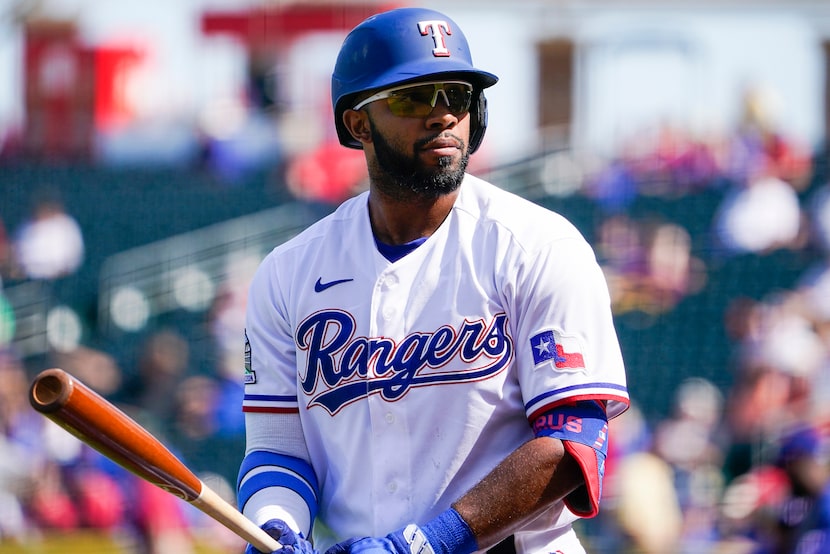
(400, 46)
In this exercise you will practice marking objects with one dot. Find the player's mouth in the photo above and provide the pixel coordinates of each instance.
(442, 146)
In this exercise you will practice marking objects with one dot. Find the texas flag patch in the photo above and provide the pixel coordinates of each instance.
(565, 351)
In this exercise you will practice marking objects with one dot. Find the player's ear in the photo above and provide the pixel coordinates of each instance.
(357, 123)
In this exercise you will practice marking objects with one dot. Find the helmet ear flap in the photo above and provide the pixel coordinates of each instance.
(478, 121)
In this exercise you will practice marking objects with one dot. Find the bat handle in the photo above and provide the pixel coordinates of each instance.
(216, 507)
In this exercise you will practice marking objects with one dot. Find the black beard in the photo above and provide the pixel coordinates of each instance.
(405, 176)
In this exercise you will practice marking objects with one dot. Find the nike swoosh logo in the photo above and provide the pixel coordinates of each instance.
(320, 286)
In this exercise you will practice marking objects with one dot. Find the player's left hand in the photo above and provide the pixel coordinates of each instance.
(407, 540)
(293, 543)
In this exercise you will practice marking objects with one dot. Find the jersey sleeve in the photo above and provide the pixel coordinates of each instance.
(270, 359)
(566, 344)
(276, 479)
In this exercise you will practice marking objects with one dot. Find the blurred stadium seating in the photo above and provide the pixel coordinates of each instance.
(142, 227)
(174, 239)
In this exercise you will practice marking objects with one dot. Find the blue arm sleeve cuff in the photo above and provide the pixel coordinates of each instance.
(448, 533)
(262, 469)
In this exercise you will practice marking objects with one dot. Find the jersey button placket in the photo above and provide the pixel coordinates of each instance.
(387, 299)
(391, 468)
(389, 426)
(389, 284)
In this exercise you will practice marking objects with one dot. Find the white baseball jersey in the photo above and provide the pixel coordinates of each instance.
(414, 379)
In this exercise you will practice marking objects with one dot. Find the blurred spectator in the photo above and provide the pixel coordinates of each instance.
(748, 510)
(689, 441)
(227, 407)
(193, 425)
(5, 254)
(17, 467)
(783, 506)
(49, 244)
(159, 522)
(674, 162)
(649, 265)
(641, 510)
(46, 473)
(762, 212)
(814, 295)
(609, 530)
(159, 519)
(70, 486)
(7, 317)
(76, 493)
(614, 187)
(226, 323)
(778, 359)
(8, 322)
(689, 164)
(760, 146)
(240, 140)
(620, 245)
(646, 504)
(762, 216)
(177, 407)
(195, 430)
(96, 369)
(149, 392)
(804, 519)
(819, 209)
(226, 317)
(775, 408)
(672, 271)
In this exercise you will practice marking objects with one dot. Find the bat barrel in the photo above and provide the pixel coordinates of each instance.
(92, 419)
(50, 391)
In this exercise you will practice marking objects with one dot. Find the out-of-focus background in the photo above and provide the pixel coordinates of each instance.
(152, 152)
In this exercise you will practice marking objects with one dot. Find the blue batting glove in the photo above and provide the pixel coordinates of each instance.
(446, 534)
(293, 543)
(409, 540)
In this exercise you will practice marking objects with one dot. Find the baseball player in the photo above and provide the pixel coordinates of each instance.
(431, 368)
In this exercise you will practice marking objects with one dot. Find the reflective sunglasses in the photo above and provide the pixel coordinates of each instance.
(418, 100)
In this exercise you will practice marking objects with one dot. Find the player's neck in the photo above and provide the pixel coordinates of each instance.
(398, 222)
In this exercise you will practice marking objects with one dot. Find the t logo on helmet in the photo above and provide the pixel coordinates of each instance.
(436, 28)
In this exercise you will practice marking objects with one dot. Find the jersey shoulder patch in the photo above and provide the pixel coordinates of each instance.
(562, 351)
(250, 375)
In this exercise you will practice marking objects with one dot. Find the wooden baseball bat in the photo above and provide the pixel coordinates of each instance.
(95, 421)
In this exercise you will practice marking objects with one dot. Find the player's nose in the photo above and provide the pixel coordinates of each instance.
(441, 117)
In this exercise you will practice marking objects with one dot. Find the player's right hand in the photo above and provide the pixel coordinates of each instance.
(447, 533)
(293, 543)
(407, 540)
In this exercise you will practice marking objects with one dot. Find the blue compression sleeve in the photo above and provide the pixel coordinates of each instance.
(261, 470)
(583, 429)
